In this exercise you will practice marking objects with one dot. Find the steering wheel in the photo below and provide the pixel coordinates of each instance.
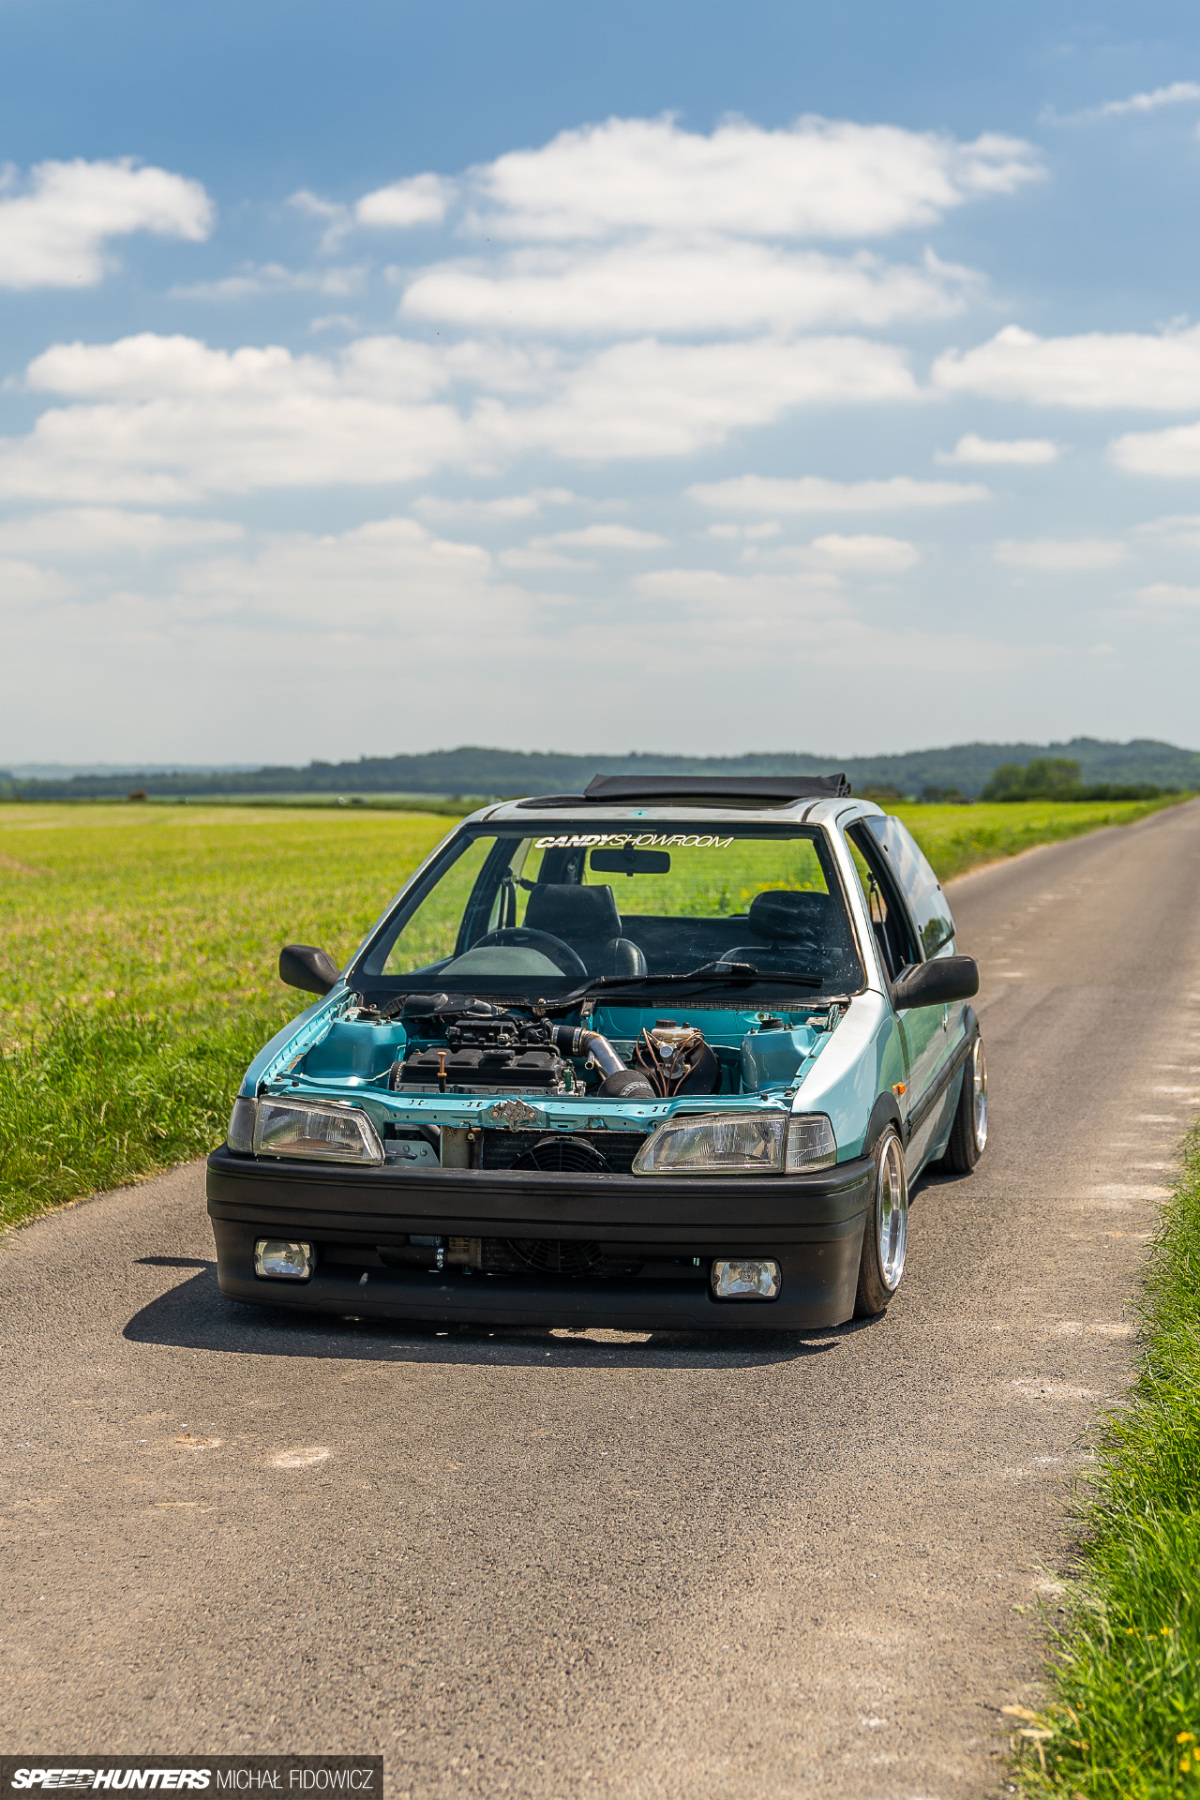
(527, 939)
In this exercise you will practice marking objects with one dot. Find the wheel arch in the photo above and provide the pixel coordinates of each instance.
(885, 1112)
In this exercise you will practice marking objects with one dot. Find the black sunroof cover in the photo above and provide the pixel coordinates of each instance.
(774, 789)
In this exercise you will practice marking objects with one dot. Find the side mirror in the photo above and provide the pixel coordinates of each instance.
(936, 983)
(304, 966)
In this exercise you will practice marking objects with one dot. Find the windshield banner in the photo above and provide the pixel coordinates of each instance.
(623, 840)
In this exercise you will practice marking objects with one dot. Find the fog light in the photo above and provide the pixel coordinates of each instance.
(739, 1278)
(276, 1259)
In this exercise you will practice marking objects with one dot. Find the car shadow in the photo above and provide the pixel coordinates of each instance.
(195, 1315)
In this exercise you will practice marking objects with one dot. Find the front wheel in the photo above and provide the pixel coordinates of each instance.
(885, 1240)
(968, 1134)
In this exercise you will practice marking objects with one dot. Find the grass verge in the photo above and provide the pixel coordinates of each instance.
(138, 951)
(958, 838)
(1124, 1720)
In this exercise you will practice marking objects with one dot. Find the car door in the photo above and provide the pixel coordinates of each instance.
(911, 922)
(935, 1032)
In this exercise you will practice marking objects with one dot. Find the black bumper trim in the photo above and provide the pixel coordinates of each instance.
(514, 1203)
(811, 1224)
(817, 1288)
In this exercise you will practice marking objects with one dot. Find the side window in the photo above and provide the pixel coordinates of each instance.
(918, 883)
(889, 921)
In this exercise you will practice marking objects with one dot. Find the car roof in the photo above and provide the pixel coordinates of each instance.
(551, 809)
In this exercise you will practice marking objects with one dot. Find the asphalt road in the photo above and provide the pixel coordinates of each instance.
(537, 1564)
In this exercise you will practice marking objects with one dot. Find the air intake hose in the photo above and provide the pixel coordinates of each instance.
(620, 1082)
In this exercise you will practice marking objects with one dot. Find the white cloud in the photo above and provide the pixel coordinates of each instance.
(421, 200)
(637, 226)
(254, 280)
(101, 531)
(1176, 93)
(813, 493)
(767, 528)
(55, 234)
(535, 556)
(603, 537)
(391, 576)
(665, 284)
(306, 201)
(173, 419)
(865, 554)
(1061, 555)
(1017, 452)
(1176, 528)
(26, 584)
(653, 399)
(150, 367)
(335, 322)
(818, 178)
(1094, 369)
(178, 664)
(1174, 452)
(160, 419)
(1165, 593)
(337, 219)
(499, 511)
(835, 554)
(713, 595)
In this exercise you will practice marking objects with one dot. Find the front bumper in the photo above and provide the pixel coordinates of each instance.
(811, 1224)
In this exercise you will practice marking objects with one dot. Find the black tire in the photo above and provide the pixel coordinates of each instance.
(885, 1236)
(968, 1134)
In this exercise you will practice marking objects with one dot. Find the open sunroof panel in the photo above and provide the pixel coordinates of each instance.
(777, 790)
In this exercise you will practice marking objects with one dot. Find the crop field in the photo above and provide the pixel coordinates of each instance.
(137, 971)
(138, 948)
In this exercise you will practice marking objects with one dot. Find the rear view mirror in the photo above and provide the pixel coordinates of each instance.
(936, 983)
(304, 966)
(630, 861)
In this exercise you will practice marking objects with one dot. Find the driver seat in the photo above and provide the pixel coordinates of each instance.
(588, 920)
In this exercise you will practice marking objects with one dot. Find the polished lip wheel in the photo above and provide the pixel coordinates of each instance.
(979, 1094)
(891, 1213)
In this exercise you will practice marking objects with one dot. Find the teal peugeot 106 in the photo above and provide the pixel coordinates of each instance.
(665, 1054)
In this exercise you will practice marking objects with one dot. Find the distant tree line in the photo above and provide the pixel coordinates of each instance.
(1084, 768)
(1059, 778)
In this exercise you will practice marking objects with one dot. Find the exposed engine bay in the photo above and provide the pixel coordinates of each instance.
(462, 1044)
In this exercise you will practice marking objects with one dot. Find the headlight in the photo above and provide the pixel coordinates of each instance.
(722, 1144)
(323, 1133)
(738, 1144)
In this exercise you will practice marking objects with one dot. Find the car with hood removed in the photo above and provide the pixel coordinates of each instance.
(667, 1054)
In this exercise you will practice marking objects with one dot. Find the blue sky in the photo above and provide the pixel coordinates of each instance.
(703, 377)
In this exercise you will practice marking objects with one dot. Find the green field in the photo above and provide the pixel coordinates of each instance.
(1124, 1723)
(138, 947)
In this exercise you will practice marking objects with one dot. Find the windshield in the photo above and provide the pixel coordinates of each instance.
(532, 912)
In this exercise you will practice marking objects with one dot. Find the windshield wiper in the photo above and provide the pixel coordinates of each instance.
(741, 973)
